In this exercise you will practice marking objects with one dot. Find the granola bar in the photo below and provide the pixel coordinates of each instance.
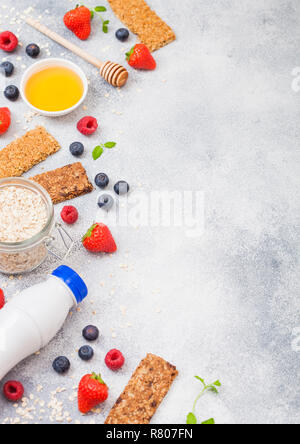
(143, 21)
(145, 391)
(65, 183)
(22, 154)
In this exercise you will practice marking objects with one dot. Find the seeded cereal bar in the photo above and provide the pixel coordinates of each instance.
(65, 183)
(143, 21)
(29, 150)
(144, 393)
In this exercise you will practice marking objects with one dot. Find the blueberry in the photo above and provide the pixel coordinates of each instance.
(101, 180)
(122, 34)
(7, 68)
(33, 50)
(86, 353)
(121, 188)
(12, 93)
(106, 202)
(61, 364)
(76, 149)
(90, 333)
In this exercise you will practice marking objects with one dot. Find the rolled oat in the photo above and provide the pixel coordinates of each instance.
(23, 215)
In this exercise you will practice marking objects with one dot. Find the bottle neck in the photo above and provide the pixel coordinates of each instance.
(67, 290)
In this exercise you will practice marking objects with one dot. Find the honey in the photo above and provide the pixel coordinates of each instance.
(54, 89)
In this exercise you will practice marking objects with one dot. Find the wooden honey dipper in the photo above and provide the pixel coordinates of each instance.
(113, 73)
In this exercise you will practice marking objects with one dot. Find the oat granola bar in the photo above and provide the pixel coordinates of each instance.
(143, 21)
(65, 183)
(144, 393)
(22, 154)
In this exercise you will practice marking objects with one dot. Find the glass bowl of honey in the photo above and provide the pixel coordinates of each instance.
(54, 87)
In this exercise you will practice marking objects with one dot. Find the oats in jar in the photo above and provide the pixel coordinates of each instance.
(26, 224)
(23, 214)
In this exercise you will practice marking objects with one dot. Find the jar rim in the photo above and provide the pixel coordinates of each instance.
(37, 188)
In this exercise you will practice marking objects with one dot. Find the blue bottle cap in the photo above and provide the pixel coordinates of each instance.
(73, 281)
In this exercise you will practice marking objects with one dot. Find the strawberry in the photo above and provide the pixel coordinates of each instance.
(92, 391)
(79, 21)
(4, 120)
(98, 239)
(139, 57)
(2, 299)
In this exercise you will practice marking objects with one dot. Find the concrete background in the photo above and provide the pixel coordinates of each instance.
(219, 115)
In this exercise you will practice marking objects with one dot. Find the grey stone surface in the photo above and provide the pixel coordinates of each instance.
(219, 115)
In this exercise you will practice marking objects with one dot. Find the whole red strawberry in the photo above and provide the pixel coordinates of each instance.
(139, 57)
(92, 391)
(5, 120)
(2, 299)
(79, 21)
(98, 239)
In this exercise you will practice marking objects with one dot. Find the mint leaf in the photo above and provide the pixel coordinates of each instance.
(209, 421)
(105, 27)
(200, 379)
(97, 10)
(97, 152)
(213, 389)
(191, 419)
(110, 145)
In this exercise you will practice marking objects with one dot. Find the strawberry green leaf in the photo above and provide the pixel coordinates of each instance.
(89, 232)
(129, 54)
(97, 152)
(97, 378)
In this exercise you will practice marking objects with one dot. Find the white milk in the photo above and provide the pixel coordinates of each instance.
(30, 320)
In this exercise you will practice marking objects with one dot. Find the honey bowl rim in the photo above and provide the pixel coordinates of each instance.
(38, 66)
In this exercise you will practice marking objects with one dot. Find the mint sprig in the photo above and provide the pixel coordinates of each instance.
(99, 149)
(97, 11)
(191, 417)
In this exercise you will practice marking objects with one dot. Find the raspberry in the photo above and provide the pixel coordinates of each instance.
(13, 391)
(8, 41)
(114, 359)
(2, 299)
(87, 125)
(69, 214)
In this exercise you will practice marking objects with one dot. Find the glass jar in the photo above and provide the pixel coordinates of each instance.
(25, 256)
